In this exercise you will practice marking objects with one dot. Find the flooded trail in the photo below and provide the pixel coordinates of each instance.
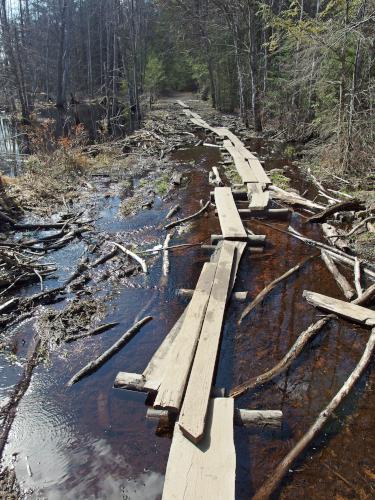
(93, 442)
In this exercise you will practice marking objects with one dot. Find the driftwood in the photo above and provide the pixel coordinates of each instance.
(283, 468)
(132, 255)
(357, 277)
(104, 258)
(287, 360)
(342, 282)
(190, 217)
(98, 362)
(172, 211)
(359, 225)
(339, 207)
(96, 331)
(293, 198)
(334, 237)
(166, 255)
(366, 297)
(263, 294)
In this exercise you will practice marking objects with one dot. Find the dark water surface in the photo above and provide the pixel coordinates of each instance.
(93, 442)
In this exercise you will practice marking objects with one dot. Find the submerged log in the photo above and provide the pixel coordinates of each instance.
(98, 362)
(96, 331)
(285, 363)
(132, 255)
(263, 294)
(283, 468)
(190, 217)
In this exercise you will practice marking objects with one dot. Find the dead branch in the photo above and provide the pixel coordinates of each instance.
(133, 256)
(353, 204)
(339, 278)
(263, 294)
(96, 363)
(172, 211)
(190, 217)
(274, 480)
(96, 331)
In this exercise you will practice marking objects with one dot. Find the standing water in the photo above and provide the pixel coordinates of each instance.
(93, 442)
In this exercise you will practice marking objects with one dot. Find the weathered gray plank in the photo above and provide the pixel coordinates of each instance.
(206, 471)
(194, 408)
(230, 220)
(177, 370)
(345, 309)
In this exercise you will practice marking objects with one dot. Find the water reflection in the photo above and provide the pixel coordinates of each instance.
(10, 158)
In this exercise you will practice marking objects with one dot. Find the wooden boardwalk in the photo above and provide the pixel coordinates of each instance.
(202, 460)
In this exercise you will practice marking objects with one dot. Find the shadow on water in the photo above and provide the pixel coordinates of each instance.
(93, 442)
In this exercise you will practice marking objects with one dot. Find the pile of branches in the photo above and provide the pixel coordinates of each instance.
(18, 267)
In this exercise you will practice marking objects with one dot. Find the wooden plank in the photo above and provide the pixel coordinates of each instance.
(345, 309)
(154, 371)
(177, 371)
(242, 166)
(256, 166)
(182, 104)
(206, 471)
(230, 220)
(259, 199)
(194, 408)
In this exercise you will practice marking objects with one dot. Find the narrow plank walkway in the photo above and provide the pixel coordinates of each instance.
(230, 220)
(194, 409)
(206, 471)
(177, 371)
(242, 165)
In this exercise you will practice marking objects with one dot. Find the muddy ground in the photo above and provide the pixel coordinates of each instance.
(62, 282)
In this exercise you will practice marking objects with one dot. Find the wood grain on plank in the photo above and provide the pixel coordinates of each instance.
(342, 308)
(230, 220)
(194, 408)
(177, 370)
(208, 470)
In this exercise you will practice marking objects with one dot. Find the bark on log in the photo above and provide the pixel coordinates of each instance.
(263, 294)
(339, 207)
(96, 331)
(98, 362)
(287, 360)
(293, 198)
(274, 480)
(190, 217)
(342, 282)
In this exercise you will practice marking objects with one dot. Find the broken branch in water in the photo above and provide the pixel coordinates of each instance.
(165, 255)
(287, 360)
(132, 255)
(340, 279)
(98, 362)
(284, 466)
(263, 294)
(172, 211)
(96, 331)
(190, 217)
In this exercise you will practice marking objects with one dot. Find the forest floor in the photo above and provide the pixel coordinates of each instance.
(63, 187)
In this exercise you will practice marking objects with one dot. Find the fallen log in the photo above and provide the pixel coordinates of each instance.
(263, 294)
(132, 255)
(190, 217)
(294, 199)
(166, 255)
(303, 339)
(357, 277)
(334, 237)
(283, 468)
(359, 225)
(96, 331)
(340, 279)
(98, 362)
(353, 204)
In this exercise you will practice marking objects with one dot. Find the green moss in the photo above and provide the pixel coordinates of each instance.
(278, 178)
(233, 175)
(289, 151)
(162, 186)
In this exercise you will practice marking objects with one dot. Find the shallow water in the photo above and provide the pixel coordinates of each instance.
(93, 442)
